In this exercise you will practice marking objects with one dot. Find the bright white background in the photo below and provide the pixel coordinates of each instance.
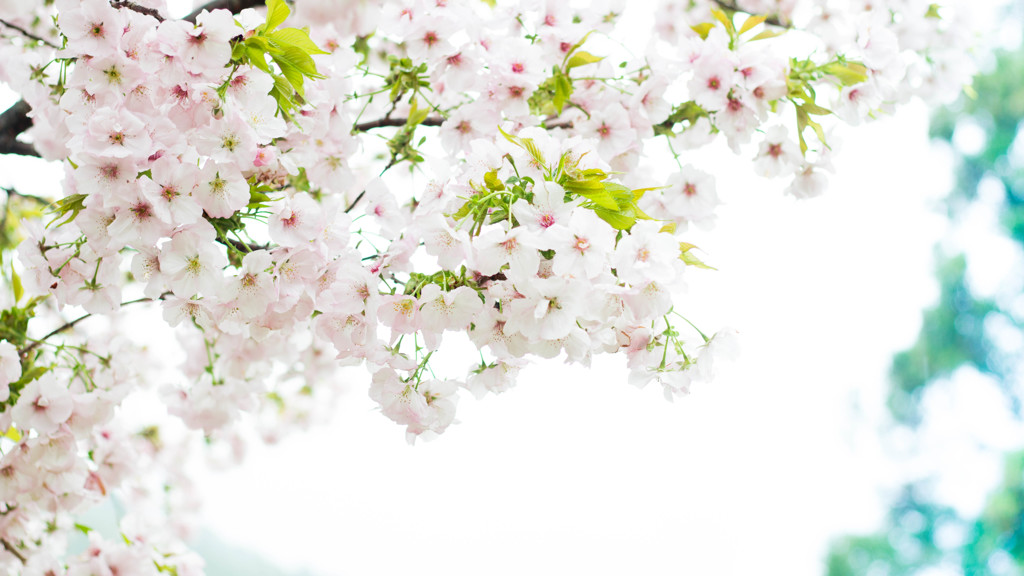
(576, 472)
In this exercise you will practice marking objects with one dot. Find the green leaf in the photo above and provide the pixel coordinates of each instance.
(68, 207)
(257, 57)
(703, 29)
(16, 286)
(751, 22)
(83, 528)
(12, 434)
(492, 182)
(765, 34)
(277, 12)
(849, 73)
(563, 90)
(582, 58)
(813, 108)
(416, 115)
(298, 38)
(615, 219)
(688, 258)
(601, 198)
(724, 19)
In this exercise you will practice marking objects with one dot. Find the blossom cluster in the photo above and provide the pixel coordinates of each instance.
(371, 185)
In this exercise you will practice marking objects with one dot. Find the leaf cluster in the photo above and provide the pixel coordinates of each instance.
(290, 49)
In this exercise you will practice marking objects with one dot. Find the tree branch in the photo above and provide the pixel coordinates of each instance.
(235, 6)
(394, 123)
(7, 546)
(28, 34)
(136, 8)
(772, 19)
(14, 121)
(68, 325)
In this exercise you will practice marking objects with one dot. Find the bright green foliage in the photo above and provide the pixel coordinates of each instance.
(551, 97)
(951, 337)
(290, 49)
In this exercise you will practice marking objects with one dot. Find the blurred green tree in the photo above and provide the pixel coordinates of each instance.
(920, 534)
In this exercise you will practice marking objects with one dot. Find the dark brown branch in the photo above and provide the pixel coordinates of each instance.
(7, 546)
(772, 19)
(235, 6)
(37, 199)
(136, 8)
(394, 123)
(242, 246)
(14, 121)
(28, 34)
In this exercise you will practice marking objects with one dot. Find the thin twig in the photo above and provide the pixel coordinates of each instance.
(356, 201)
(242, 246)
(68, 325)
(28, 34)
(7, 546)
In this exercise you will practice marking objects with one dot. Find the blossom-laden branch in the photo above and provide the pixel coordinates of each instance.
(15, 120)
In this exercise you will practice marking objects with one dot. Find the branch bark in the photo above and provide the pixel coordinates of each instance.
(394, 123)
(28, 34)
(14, 121)
(14, 551)
(235, 6)
(136, 8)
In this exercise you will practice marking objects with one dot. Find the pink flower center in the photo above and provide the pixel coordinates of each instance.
(547, 221)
